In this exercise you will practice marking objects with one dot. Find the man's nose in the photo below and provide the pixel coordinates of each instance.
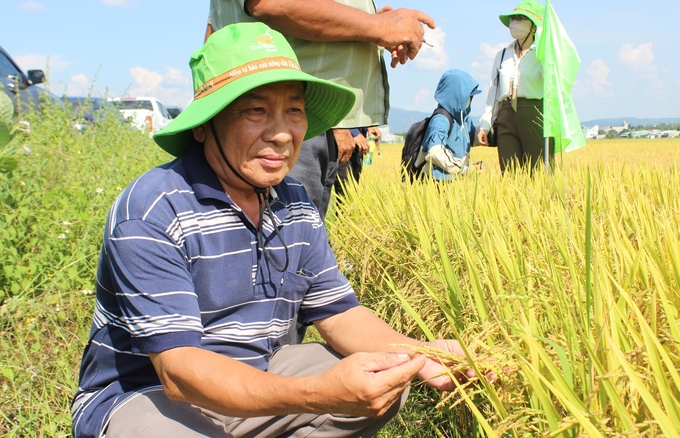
(279, 129)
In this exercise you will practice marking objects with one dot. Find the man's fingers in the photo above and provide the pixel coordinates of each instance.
(385, 361)
(386, 8)
(414, 48)
(400, 55)
(395, 56)
(425, 19)
(482, 137)
(395, 370)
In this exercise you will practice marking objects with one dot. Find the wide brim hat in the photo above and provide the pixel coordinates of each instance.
(530, 9)
(239, 58)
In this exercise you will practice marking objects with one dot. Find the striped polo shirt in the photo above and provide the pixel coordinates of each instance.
(180, 266)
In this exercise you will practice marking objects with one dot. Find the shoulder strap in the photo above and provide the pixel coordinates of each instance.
(497, 81)
(498, 70)
(449, 117)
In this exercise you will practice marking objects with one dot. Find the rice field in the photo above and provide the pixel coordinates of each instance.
(566, 285)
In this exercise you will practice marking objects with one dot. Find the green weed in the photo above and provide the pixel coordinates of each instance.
(53, 206)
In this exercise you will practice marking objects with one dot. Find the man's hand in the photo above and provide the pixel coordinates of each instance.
(362, 144)
(345, 143)
(374, 131)
(482, 137)
(367, 384)
(435, 374)
(403, 32)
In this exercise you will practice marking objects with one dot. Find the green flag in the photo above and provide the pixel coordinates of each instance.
(560, 65)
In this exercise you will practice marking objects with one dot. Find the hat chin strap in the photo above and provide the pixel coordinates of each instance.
(224, 157)
(521, 45)
(263, 203)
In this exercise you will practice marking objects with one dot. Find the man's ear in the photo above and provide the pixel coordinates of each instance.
(199, 133)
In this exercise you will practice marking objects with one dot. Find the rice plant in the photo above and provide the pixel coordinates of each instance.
(566, 285)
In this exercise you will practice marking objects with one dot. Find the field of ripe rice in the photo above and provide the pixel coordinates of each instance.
(567, 285)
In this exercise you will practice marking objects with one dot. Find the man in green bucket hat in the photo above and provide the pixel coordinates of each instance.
(207, 260)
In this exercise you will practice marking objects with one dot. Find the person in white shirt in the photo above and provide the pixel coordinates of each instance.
(515, 99)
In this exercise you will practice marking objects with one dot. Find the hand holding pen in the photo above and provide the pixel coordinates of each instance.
(401, 32)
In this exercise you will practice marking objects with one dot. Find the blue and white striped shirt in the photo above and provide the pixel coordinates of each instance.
(180, 266)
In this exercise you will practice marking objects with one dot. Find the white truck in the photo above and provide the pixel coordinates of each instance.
(145, 113)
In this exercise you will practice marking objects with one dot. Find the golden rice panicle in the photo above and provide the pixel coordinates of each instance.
(571, 278)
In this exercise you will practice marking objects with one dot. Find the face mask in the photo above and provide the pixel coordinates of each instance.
(520, 29)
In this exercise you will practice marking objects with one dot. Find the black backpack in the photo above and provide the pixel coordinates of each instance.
(413, 143)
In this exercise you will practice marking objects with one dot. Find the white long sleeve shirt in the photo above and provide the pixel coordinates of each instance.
(526, 72)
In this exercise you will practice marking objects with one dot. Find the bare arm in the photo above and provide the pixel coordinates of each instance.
(363, 384)
(345, 142)
(400, 31)
(359, 329)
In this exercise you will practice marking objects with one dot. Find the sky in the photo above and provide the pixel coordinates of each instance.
(629, 50)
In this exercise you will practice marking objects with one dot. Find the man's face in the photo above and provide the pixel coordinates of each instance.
(261, 133)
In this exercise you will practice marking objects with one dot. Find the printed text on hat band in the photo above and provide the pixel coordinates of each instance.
(259, 65)
(526, 11)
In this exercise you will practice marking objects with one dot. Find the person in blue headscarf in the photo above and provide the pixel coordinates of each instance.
(446, 144)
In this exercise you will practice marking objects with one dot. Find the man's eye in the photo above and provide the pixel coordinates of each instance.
(255, 112)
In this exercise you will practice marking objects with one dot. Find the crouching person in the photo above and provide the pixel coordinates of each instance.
(208, 260)
(450, 133)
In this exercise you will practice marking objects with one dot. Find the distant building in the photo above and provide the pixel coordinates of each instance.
(640, 134)
(386, 137)
(592, 132)
(619, 129)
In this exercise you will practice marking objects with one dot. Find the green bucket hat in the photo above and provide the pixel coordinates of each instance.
(237, 59)
(531, 9)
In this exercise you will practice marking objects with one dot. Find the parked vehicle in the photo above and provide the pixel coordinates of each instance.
(174, 111)
(145, 113)
(86, 111)
(21, 87)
